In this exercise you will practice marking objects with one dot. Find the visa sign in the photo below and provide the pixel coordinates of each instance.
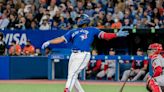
(19, 38)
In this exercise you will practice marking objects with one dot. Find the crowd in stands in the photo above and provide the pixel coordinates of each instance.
(64, 14)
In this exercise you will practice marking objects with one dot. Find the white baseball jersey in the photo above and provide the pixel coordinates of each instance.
(159, 61)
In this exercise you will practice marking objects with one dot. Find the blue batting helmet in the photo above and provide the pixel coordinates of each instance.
(84, 20)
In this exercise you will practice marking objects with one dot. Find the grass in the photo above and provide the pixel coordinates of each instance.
(60, 87)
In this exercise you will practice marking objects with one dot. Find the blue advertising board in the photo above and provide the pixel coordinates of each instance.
(36, 37)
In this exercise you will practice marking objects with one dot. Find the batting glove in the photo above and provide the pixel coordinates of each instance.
(45, 44)
(122, 33)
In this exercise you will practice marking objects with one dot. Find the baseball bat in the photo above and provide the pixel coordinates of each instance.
(121, 90)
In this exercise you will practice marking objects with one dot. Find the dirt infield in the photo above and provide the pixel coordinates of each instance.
(63, 81)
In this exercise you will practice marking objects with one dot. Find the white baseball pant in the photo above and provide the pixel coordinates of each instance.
(77, 62)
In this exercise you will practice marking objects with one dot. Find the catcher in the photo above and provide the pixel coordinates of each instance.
(156, 82)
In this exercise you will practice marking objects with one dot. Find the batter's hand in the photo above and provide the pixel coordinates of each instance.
(45, 44)
(121, 33)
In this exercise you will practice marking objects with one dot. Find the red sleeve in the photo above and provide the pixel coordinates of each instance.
(98, 65)
(133, 64)
(107, 36)
(157, 71)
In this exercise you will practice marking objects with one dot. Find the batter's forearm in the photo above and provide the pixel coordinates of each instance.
(108, 36)
(57, 40)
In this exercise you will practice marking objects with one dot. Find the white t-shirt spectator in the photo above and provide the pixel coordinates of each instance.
(45, 27)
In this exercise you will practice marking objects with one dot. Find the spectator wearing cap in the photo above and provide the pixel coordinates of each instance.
(28, 49)
(109, 67)
(2, 45)
(45, 25)
(15, 49)
(138, 69)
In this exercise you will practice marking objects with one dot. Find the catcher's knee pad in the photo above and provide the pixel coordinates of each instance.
(154, 87)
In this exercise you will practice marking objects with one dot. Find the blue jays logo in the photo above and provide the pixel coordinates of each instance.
(83, 36)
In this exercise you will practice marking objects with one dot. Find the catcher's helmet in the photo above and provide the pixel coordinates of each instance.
(156, 48)
(84, 20)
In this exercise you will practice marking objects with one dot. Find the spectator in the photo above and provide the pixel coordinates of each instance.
(89, 11)
(29, 20)
(138, 69)
(53, 8)
(109, 7)
(109, 20)
(4, 21)
(55, 26)
(155, 13)
(39, 15)
(127, 23)
(38, 52)
(15, 49)
(12, 22)
(117, 24)
(94, 67)
(63, 23)
(21, 24)
(118, 14)
(45, 25)
(100, 25)
(29, 49)
(99, 18)
(47, 51)
(109, 67)
(33, 25)
(2, 45)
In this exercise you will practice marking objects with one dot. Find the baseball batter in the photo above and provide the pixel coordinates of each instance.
(155, 83)
(81, 39)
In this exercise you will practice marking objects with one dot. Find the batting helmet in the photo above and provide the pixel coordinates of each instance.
(155, 48)
(84, 20)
